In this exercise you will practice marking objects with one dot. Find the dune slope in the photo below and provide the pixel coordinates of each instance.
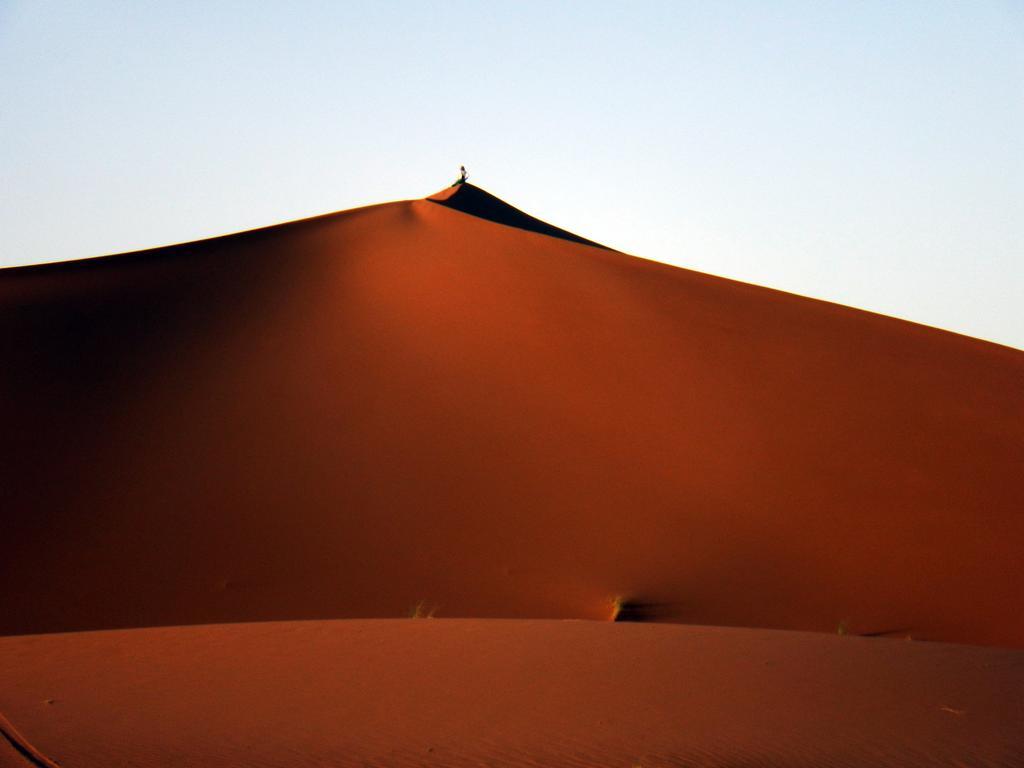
(348, 415)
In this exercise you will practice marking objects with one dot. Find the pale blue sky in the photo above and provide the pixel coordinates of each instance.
(866, 153)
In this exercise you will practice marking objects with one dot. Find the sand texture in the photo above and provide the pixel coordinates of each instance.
(516, 693)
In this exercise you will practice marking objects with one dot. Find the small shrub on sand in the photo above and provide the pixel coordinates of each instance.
(423, 610)
(617, 602)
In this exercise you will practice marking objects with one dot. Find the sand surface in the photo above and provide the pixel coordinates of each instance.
(445, 407)
(515, 692)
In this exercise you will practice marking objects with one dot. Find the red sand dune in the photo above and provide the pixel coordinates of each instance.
(346, 415)
(448, 404)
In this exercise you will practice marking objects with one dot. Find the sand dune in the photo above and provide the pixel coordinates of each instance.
(345, 416)
(515, 693)
(447, 407)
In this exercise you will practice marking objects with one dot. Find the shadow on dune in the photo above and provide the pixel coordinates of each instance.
(640, 611)
(476, 202)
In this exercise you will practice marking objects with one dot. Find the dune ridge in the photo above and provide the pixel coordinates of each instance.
(16, 751)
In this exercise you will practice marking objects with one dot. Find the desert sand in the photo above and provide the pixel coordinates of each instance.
(446, 407)
(508, 692)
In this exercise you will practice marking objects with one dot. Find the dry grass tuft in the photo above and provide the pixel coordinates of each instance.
(423, 610)
(617, 602)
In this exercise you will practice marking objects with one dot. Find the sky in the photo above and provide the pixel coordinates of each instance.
(867, 153)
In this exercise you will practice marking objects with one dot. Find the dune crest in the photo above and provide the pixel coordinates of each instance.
(15, 749)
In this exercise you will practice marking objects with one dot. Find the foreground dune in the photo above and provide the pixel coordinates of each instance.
(514, 692)
(348, 415)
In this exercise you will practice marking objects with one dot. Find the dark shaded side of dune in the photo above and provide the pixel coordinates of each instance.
(476, 202)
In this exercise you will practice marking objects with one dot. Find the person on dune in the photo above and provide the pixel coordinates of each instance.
(462, 176)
